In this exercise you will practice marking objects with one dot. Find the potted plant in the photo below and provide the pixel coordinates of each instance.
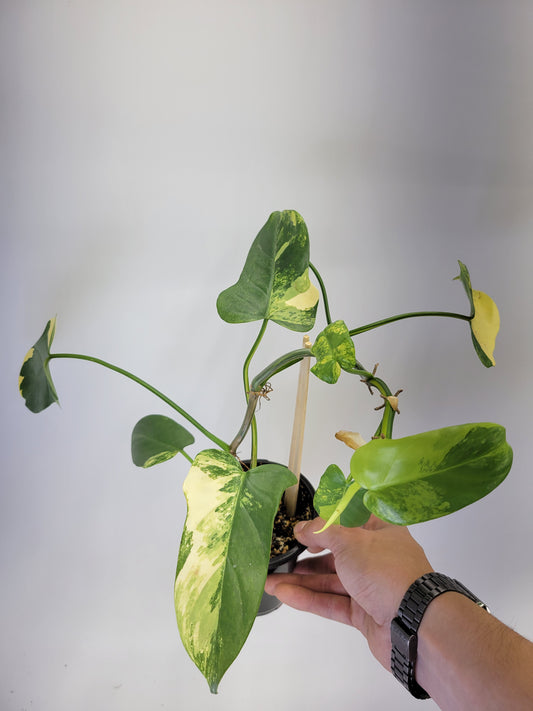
(225, 548)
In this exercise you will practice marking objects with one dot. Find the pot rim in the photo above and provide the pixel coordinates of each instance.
(295, 551)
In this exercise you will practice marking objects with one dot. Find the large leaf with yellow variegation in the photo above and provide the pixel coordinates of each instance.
(274, 283)
(35, 382)
(484, 321)
(425, 476)
(224, 555)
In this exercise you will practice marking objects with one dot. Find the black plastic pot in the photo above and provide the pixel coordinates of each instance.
(286, 562)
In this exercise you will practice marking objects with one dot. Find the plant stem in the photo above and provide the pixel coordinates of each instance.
(254, 391)
(323, 290)
(246, 423)
(223, 445)
(400, 317)
(281, 363)
(248, 393)
(385, 426)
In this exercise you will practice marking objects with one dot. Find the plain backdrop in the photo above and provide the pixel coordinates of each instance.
(143, 145)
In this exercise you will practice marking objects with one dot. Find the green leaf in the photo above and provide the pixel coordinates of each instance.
(274, 283)
(484, 319)
(156, 439)
(329, 491)
(35, 382)
(334, 350)
(425, 476)
(432, 474)
(224, 555)
(330, 503)
(355, 513)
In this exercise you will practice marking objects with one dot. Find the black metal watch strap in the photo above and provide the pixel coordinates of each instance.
(404, 626)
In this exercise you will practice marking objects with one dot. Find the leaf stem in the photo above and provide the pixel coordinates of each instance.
(247, 392)
(386, 424)
(281, 363)
(323, 290)
(400, 317)
(223, 445)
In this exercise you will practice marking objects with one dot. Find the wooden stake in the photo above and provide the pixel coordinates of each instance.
(297, 441)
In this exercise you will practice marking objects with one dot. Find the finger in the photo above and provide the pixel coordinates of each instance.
(305, 533)
(318, 564)
(334, 538)
(329, 605)
(319, 583)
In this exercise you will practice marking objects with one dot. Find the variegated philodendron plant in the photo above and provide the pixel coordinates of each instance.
(225, 546)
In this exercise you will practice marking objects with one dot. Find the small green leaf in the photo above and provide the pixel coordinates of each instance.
(274, 283)
(35, 382)
(338, 500)
(156, 439)
(484, 319)
(329, 491)
(334, 350)
(355, 513)
(224, 555)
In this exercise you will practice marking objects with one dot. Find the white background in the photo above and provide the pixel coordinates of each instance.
(143, 144)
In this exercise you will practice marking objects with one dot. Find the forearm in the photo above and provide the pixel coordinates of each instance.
(468, 659)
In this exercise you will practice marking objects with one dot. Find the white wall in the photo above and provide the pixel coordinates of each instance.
(143, 146)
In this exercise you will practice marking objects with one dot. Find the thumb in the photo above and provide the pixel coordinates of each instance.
(311, 535)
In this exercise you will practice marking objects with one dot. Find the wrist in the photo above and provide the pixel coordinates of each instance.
(405, 626)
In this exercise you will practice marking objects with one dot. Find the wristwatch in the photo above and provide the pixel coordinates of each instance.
(404, 626)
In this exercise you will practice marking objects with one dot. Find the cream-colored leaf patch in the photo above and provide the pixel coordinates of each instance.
(51, 330)
(28, 355)
(486, 323)
(306, 300)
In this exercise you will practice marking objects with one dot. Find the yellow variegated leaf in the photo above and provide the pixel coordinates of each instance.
(224, 555)
(485, 324)
(348, 495)
(35, 382)
(484, 319)
(334, 350)
(274, 283)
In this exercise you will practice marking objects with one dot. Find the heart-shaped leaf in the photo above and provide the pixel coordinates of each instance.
(224, 555)
(431, 474)
(338, 500)
(35, 382)
(274, 283)
(484, 321)
(156, 439)
(333, 350)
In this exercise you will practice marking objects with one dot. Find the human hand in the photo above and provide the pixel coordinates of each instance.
(361, 582)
